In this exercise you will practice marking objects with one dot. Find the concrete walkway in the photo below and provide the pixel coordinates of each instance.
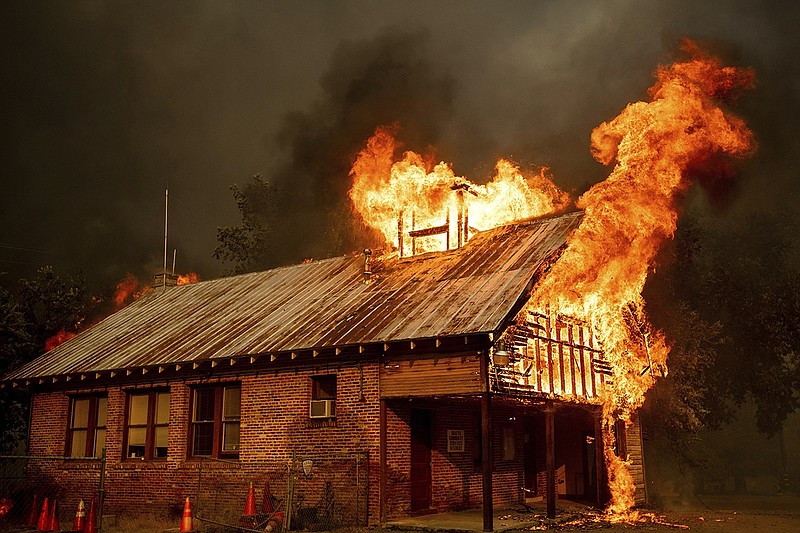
(518, 517)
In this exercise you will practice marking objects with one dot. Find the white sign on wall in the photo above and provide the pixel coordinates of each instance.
(455, 440)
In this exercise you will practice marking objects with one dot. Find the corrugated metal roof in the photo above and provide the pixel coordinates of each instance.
(318, 305)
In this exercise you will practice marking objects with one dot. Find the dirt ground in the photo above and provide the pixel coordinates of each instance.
(731, 514)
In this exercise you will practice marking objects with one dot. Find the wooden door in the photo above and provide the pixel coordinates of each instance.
(421, 441)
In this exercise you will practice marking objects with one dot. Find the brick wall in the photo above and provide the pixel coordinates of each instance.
(456, 476)
(274, 422)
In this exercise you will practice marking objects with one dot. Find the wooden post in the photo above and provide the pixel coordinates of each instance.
(384, 467)
(400, 235)
(550, 451)
(599, 463)
(486, 445)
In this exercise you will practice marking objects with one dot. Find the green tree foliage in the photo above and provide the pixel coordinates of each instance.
(695, 393)
(754, 289)
(728, 298)
(248, 245)
(37, 310)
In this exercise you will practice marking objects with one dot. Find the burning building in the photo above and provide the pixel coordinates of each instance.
(417, 360)
(499, 351)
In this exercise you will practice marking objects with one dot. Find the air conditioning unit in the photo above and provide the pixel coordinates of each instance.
(322, 409)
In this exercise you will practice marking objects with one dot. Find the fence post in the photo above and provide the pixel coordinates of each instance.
(101, 491)
(358, 487)
(366, 488)
(199, 488)
(290, 492)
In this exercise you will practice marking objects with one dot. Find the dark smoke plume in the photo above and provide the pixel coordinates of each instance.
(389, 79)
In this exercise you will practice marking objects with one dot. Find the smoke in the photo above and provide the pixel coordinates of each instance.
(387, 79)
(105, 105)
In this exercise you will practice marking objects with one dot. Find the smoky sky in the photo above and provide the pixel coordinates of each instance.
(106, 104)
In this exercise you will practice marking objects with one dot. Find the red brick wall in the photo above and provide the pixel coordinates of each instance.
(456, 479)
(274, 422)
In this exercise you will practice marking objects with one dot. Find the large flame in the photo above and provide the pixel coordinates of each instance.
(420, 195)
(601, 274)
(655, 146)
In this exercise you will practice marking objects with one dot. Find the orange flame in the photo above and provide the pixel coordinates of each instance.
(657, 146)
(187, 279)
(60, 337)
(126, 291)
(600, 276)
(422, 196)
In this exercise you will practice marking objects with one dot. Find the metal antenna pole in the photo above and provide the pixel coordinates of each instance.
(166, 218)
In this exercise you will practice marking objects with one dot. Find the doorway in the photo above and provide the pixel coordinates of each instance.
(421, 440)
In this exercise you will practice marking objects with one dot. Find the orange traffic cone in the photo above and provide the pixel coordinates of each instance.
(44, 517)
(91, 520)
(80, 518)
(34, 514)
(186, 521)
(250, 504)
(267, 506)
(53, 524)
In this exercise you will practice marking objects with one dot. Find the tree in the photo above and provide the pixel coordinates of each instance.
(248, 244)
(728, 298)
(303, 210)
(40, 308)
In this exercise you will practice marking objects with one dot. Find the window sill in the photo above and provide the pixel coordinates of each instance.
(322, 423)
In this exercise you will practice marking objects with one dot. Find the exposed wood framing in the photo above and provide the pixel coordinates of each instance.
(551, 355)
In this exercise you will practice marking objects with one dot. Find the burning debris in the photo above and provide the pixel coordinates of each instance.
(657, 148)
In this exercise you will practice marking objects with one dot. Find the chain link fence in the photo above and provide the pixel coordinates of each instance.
(303, 493)
(44, 492)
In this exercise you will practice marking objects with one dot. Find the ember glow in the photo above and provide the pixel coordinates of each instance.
(656, 148)
(127, 291)
(410, 194)
(58, 338)
(600, 276)
(188, 279)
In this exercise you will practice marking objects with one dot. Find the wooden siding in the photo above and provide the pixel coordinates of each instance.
(404, 377)
(635, 457)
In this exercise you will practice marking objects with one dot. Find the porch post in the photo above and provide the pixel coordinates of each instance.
(550, 450)
(599, 463)
(382, 459)
(486, 446)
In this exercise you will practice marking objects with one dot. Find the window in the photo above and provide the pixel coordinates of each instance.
(215, 421)
(86, 434)
(147, 425)
(323, 396)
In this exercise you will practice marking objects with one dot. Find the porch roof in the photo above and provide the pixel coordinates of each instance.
(319, 305)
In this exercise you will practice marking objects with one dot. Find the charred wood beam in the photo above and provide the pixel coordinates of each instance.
(427, 232)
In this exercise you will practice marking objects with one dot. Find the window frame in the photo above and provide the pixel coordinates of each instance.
(219, 424)
(150, 426)
(320, 390)
(92, 428)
